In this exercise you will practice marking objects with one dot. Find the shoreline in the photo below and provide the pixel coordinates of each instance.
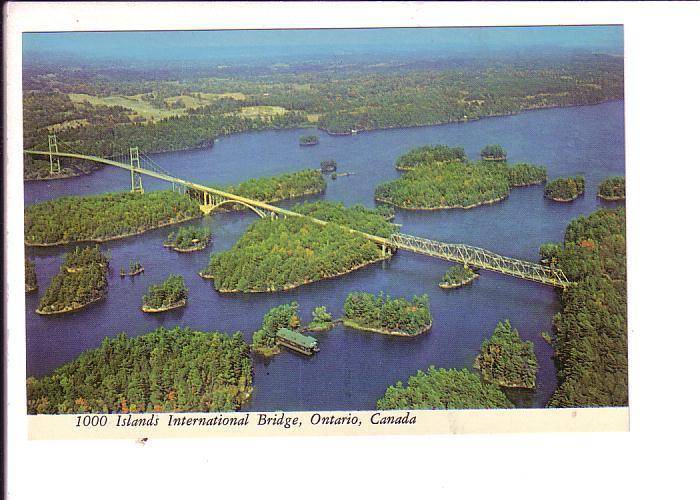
(449, 286)
(357, 326)
(526, 184)
(110, 238)
(292, 286)
(311, 125)
(564, 200)
(196, 248)
(610, 198)
(469, 120)
(488, 202)
(71, 309)
(180, 303)
(135, 273)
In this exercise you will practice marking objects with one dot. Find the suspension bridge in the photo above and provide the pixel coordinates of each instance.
(139, 164)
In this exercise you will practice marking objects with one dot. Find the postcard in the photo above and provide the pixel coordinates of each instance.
(338, 231)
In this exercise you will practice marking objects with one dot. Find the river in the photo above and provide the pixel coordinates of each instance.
(353, 368)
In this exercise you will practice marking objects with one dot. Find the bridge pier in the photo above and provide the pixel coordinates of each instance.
(136, 183)
(53, 148)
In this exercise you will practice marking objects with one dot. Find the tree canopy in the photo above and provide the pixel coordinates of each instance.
(381, 312)
(171, 370)
(441, 388)
(167, 294)
(493, 152)
(591, 329)
(284, 253)
(81, 280)
(612, 188)
(506, 360)
(429, 155)
(97, 218)
(565, 188)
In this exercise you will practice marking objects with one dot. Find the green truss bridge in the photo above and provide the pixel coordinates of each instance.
(210, 199)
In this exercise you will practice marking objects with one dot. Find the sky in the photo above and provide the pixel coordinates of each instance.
(247, 45)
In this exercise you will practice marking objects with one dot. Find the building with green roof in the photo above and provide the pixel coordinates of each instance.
(296, 341)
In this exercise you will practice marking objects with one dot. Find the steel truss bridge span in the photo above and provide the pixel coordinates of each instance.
(212, 198)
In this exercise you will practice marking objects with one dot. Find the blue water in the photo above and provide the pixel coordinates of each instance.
(353, 368)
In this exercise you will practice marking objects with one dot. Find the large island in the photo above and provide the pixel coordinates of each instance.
(456, 184)
(281, 254)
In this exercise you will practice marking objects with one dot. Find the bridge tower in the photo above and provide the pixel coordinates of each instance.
(136, 184)
(55, 163)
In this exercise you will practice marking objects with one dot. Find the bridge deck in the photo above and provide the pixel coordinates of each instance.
(463, 254)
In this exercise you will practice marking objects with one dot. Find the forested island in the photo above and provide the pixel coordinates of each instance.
(565, 189)
(188, 239)
(175, 370)
(308, 140)
(135, 268)
(525, 174)
(432, 155)
(456, 185)
(493, 152)
(382, 314)
(322, 320)
(81, 281)
(457, 276)
(591, 330)
(30, 282)
(612, 189)
(104, 217)
(165, 296)
(441, 388)
(102, 109)
(280, 254)
(279, 187)
(282, 316)
(506, 360)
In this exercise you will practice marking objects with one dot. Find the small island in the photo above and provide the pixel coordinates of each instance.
(135, 267)
(281, 254)
(525, 174)
(322, 320)
(432, 155)
(308, 140)
(328, 166)
(30, 282)
(82, 280)
(612, 189)
(506, 360)
(457, 276)
(166, 370)
(277, 318)
(565, 189)
(188, 239)
(165, 296)
(493, 152)
(382, 314)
